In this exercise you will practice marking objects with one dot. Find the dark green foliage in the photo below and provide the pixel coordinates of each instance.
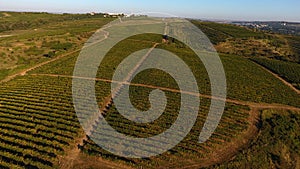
(233, 30)
(50, 54)
(57, 45)
(277, 146)
(37, 121)
(245, 80)
(214, 36)
(287, 70)
(34, 51)
(294, 43)
(3, 73)
(248, 82)
(186, 153)
(17, 21)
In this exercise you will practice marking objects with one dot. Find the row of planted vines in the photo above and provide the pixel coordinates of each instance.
(37, 122)
(288, 70)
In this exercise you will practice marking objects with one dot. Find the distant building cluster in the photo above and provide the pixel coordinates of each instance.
(252, 24)
(291, 28)
(108, 15)
(115, 15)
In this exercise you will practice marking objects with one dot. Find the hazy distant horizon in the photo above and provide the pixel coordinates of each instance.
(204, 19)
(231, 10)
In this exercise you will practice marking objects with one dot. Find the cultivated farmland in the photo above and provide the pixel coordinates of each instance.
(39, 127)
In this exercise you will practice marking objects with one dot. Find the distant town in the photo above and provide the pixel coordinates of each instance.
(290, 28)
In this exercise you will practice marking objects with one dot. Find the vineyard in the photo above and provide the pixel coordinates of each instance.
(294, 43)
(39, 127)
(232, 30)
(287, 70)
(37, 122)
(189, 151)
(246, 81)
(235, 118)
(279, 139)
(41, 124)
(215, 36)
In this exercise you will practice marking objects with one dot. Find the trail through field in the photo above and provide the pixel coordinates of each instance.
(225, 152)
(75, 159)
(228, 151)
(6, 14)
(238, 102)
(67, 162)
(109, 99)
(5, 36)
(70, 161)
(280, 78)
(23, 72)
(73, 156)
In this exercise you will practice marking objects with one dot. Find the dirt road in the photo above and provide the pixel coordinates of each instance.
(278, 77)
(4, 36)
(238, 102)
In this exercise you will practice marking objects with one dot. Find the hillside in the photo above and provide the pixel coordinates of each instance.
(30, 38)
(40, 129)
(243, 41)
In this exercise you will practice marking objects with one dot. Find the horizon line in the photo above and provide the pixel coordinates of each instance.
(197, 18)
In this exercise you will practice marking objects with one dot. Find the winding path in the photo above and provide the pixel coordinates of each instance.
(25, 71)
(72, 157)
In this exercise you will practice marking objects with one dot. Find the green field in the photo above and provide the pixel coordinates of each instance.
(215, 36)
(289, 71)
(39, 127)
(294, 42)
(38, 37)
(37, 122)
(189, 151)
(237, 40)
(246, 81)
(276, 146)
(24, 21)
(232, 30)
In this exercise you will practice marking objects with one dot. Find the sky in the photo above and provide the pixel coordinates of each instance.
(254, 10)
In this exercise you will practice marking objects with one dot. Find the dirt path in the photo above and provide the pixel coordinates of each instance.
(4, 36)
(223, 154)
(280, 78)
(23, 72)
(238, 102)
(75, 159)
(74, 155)
(67, 162)
(6, 14)
(227, 152)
